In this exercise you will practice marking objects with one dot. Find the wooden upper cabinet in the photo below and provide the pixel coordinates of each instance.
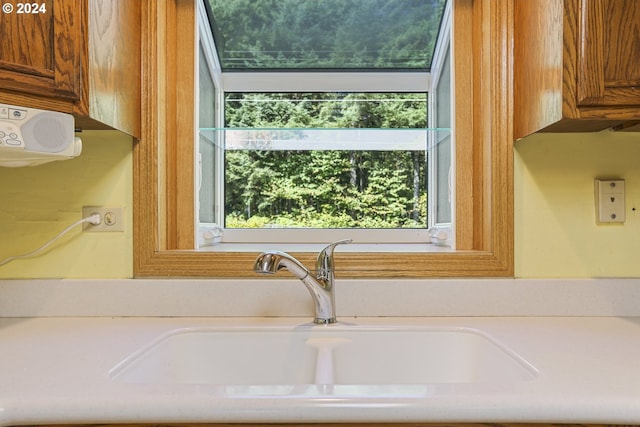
(576, 65)
(76, 56)
(41, 52)
(608, 37)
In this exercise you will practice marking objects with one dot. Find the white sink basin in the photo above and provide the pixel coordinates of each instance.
(425, 357)
(223, 356)
(323, 356)
(277, 360)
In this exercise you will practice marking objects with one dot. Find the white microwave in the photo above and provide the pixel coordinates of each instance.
(30, 137)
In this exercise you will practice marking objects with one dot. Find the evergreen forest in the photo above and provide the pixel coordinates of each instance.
(325, 34)
(325, 188)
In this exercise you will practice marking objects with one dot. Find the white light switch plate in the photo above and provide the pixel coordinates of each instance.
(610, 201)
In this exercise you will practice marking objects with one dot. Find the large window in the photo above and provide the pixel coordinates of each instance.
(482, 201)
(274, 164)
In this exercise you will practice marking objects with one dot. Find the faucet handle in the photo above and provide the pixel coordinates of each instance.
(324, 262)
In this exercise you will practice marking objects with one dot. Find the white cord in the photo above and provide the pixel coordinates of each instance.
(94, 219)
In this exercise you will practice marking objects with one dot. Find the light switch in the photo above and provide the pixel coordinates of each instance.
(610, 201)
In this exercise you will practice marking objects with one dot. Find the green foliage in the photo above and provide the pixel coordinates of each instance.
(324, 188)
(326, 34)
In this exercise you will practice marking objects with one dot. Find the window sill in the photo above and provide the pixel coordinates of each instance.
(317, 247)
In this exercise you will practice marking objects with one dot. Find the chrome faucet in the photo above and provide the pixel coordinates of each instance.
(321, 287)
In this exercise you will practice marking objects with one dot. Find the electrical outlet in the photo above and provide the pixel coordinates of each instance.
(610, 201)
(112, 219)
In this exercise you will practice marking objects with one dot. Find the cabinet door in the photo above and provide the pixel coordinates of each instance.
(608, 53)
(41, 47)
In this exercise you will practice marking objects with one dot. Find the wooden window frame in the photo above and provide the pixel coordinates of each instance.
(164, 163)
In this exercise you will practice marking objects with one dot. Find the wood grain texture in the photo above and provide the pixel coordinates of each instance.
(602, 39)
(487, 218)
(590, 50)
(498, 168)
(27, 42)
(114, 64)
(622, 56)
(177, 171)
(538, 65)
(609, 72)
(621, 53)
(41, 53)
(468, 180)
(186, 126)
(80, 57)
(146, 212)
(577, 64)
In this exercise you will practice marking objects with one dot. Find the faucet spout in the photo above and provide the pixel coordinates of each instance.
(320, 287)
(324, 263)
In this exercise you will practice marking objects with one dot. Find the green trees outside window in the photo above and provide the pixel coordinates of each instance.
(326, 188)
(326, 34)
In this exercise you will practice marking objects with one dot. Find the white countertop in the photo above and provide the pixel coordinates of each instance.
(56, 370)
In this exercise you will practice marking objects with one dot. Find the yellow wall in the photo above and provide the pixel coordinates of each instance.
(36, 203)
(556, 233)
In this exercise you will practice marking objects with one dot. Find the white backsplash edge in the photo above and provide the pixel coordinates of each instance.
(289, 298)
